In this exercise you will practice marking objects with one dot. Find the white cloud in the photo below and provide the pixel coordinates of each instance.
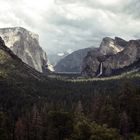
(109, 2)
(73, 24)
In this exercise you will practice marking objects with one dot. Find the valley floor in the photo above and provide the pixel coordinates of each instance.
(70, 107)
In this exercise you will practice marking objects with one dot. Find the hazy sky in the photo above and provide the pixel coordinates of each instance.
(73, 24)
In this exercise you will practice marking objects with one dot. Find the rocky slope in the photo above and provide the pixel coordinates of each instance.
(111, 56)
(112, 46)
(25, 45)
(72, 62)
(12, 66)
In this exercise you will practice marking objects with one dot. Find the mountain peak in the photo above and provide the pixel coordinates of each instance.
(112, 46)
(25, 45)
(107, 39)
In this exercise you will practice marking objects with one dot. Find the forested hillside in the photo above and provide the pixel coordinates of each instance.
(61, 107)
(57, 109)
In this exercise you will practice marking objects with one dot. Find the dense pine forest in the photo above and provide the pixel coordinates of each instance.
(64, 108)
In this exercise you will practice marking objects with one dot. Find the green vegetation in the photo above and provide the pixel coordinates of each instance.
(3, 56)
(67, 107)
(79, 78)
(102, 109)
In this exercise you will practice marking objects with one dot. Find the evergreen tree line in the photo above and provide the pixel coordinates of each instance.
(70, 111)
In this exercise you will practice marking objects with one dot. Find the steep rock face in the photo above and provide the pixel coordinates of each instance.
(25, 45)
(109, 49)
(12, 66)
(72, 62)
(128, 56)
(112, 46)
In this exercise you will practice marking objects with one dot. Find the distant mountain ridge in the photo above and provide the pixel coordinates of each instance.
(113, 56)
(72, 62)
(25, 45)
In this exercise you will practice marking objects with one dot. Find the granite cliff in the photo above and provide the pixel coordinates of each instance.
(25, 45)
(12, 67)
(112, 55)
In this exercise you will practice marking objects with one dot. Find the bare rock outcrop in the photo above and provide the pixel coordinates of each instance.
(25, 45)
(112, 55)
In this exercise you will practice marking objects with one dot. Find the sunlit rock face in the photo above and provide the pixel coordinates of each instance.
(13, 68)
(125, 58)
(25, 45)
(113, 54)
(72, 62)
(112, 46)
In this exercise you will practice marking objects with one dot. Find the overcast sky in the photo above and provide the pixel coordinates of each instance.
(73, 24)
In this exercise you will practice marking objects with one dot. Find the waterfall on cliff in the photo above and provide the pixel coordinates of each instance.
(100, 69)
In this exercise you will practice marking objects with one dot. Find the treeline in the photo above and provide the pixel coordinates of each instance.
(58, 110)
